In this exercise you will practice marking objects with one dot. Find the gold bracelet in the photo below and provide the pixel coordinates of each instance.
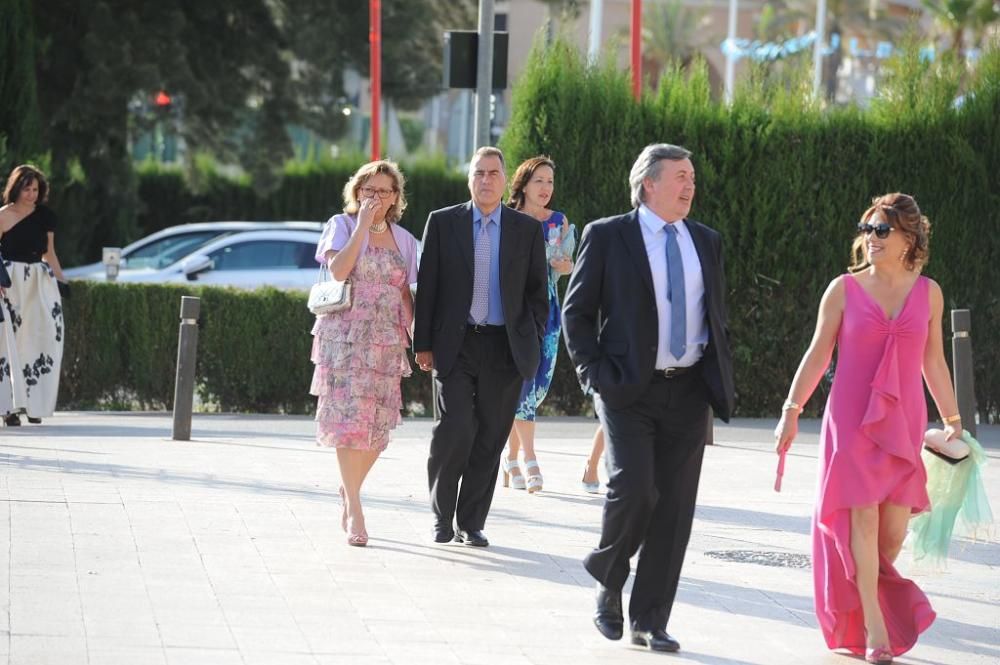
(952, 419)
(789, 405)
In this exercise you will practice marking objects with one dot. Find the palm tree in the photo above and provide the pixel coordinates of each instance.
(861, 18)
(956, 16)
(673, 31)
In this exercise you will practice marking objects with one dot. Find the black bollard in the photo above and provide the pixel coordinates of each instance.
(961, 354)
(187, 351)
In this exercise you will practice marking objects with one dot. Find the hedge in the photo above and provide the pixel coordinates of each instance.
(784, 181)
(253, 350)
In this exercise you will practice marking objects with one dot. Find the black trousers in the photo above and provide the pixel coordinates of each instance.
(477, 401)
(654, 450)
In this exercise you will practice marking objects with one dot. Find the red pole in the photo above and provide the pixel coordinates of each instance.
(637, 48)
(375, 66)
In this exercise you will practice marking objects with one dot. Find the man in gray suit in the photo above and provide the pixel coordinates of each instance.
(480, 313)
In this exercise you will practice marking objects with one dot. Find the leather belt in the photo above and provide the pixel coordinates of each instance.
(673, 372)
(484, 329)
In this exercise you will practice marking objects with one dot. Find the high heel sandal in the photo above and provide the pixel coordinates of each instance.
(357, 539)
(512, 480)
(534, 479)
(878, 655)
(590, 488)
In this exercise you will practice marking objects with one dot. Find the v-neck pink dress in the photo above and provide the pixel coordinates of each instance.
(871, 437)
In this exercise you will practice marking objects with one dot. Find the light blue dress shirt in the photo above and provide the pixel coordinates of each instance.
(495, 317)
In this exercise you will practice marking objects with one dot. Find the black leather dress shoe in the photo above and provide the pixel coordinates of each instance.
(608, 617)
(472, 538)
(443, 534)
(655, 640)
(12, 420)
(34, 421)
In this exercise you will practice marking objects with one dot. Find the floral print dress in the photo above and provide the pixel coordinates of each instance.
(557, 244)
(360, 356)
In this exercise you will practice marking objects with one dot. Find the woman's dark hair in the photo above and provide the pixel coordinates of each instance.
(21, 177)
(522, 175)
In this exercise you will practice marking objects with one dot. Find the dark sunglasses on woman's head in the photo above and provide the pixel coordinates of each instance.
(881, 230)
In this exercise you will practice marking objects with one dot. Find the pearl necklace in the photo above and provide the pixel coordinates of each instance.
(379, 228)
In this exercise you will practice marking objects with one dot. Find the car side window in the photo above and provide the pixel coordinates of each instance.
(259, 254)
(161, 253)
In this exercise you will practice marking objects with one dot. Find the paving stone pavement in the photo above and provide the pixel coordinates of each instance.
(118, 545)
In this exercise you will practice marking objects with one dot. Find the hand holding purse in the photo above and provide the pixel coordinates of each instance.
(328, 294)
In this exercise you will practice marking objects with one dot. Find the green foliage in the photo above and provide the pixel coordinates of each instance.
(784, 182)
(19, 118)
(253, 349)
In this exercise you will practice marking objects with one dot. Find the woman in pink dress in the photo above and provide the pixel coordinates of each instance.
(360, 353)
(884, 317)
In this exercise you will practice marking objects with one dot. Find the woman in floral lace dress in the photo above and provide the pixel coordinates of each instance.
(360, 352)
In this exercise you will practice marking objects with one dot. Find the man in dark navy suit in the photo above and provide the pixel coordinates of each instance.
(645, 324)
(482, 302)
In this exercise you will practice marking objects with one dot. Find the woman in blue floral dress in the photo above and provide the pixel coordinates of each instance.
(531, 193)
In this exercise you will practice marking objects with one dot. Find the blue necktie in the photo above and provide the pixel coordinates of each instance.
(480, 309)
(678, 305)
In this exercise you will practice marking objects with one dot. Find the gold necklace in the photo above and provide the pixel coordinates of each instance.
(379, 228)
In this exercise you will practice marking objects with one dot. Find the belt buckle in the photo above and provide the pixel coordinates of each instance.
(669, 372)
(477, 328)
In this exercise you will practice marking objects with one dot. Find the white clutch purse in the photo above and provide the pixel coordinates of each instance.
(329, 295)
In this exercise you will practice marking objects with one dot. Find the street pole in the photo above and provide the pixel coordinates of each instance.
(484, 74)
(961, 360)
(730, 52)
(636, 48)
(818, 47)
(596, 22)
(375, 66)
(187, 354)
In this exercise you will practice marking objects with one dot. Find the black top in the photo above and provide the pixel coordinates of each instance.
(28, 240)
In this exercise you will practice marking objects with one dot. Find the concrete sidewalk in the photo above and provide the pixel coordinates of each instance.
(120, 546)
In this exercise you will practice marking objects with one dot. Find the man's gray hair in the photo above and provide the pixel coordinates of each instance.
(648, 165)
(488, 151)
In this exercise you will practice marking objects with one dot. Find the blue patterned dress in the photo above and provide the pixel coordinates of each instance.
(533, 391)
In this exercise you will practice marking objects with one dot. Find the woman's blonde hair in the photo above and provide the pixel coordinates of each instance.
(361, 176)
(901, 213)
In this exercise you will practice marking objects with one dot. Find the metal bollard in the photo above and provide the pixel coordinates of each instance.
(961, 354)
(187, 352)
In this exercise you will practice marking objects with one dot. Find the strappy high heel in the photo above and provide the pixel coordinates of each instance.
(878, 655)
(534, 479)
(589, 487)
(359, 539)
(512, 480)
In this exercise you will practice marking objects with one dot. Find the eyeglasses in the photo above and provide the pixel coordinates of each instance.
(369, 192)
(881, 230)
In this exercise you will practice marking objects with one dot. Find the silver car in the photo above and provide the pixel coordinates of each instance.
(167, 246)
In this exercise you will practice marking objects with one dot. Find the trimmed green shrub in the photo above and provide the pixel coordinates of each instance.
(253, 349)
(784, 181)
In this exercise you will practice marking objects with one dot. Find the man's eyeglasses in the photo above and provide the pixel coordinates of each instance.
(368, 192)
(881, 230)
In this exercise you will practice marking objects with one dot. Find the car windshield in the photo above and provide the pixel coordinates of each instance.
(163, 252)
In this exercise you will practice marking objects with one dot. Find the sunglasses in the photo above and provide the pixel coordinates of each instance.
(881, 230)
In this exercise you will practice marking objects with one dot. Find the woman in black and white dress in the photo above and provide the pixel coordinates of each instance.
(31, 329)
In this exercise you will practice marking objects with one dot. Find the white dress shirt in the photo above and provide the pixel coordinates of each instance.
(654, 235)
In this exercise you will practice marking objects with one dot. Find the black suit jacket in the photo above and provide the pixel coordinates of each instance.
(609, 314)
(445, 280)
